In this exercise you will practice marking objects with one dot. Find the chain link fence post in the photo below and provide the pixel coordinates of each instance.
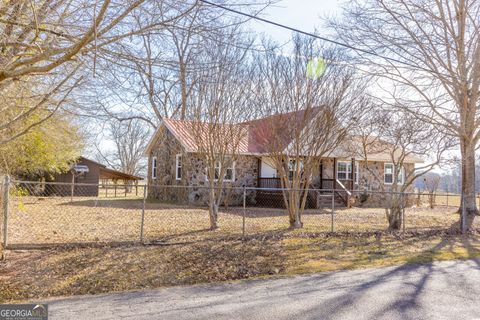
(404, 199)
(6, 202)
(463, 217)
(333, 211)
(143, 212)
(244, 212)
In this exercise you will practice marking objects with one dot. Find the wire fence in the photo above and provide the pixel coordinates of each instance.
(36, 213)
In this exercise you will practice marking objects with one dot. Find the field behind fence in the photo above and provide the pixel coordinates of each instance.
(48, 213)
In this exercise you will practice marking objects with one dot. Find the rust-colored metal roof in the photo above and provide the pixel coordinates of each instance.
(107, 173)
(252, 137)
(195, 136)
(256, 137)
(376, 148)
(277, 129)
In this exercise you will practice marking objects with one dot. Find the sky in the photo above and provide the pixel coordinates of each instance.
(301, 14)
(305, 15)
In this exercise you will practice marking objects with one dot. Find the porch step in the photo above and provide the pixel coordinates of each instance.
(326, 202)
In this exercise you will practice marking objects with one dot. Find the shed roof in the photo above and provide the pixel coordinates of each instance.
(107, 173)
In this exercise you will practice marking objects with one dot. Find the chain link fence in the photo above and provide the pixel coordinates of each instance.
(40, 213)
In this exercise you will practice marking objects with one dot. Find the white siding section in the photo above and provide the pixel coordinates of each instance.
(268, 170)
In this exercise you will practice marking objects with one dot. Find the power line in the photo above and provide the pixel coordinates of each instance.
(315, 36)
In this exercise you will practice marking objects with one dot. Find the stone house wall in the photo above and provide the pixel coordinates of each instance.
(371, 180)
(192, 188)
(246, 174)
(166, 148)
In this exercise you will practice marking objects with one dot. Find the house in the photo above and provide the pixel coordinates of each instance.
(174, 161)
(87, 174)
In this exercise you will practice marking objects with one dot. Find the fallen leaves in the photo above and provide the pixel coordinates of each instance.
(28, 275)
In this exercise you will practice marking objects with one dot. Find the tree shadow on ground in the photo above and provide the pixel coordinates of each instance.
(414, 273)
(265, 212)
(105, 203)
(412, 277)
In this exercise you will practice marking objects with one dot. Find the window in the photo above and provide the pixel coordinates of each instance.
(388, 173)
(344, 170)
(292, 167)
(229, 171)
(178, 167)
(154, 168)
(218, 167)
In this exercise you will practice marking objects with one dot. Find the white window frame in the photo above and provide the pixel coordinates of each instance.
(291, 169)
(154, 168)
(348, 169)
(218, 166)
(384, 172)
(357, 172)
(178, 165)
(232, 167)
(401, 176)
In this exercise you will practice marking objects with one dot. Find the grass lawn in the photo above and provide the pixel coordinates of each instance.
(36, 220)
(35, 274)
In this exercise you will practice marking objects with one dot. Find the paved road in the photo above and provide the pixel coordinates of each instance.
(442, 290)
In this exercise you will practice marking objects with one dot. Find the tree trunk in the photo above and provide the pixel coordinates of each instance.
(293, 208)
(183, 86)
(394, 213)
(213, 210)
(468, 178)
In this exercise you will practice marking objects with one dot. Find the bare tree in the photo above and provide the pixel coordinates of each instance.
(404, 140)
(129, 139)
(48, 45)
(312, 116)
(156, 76)
(432, 65)
(431, 185)
(219, 102)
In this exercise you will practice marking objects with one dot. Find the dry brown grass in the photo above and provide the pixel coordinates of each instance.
(30, 275)
(203, 255)
(36, 220)
(443, 199)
